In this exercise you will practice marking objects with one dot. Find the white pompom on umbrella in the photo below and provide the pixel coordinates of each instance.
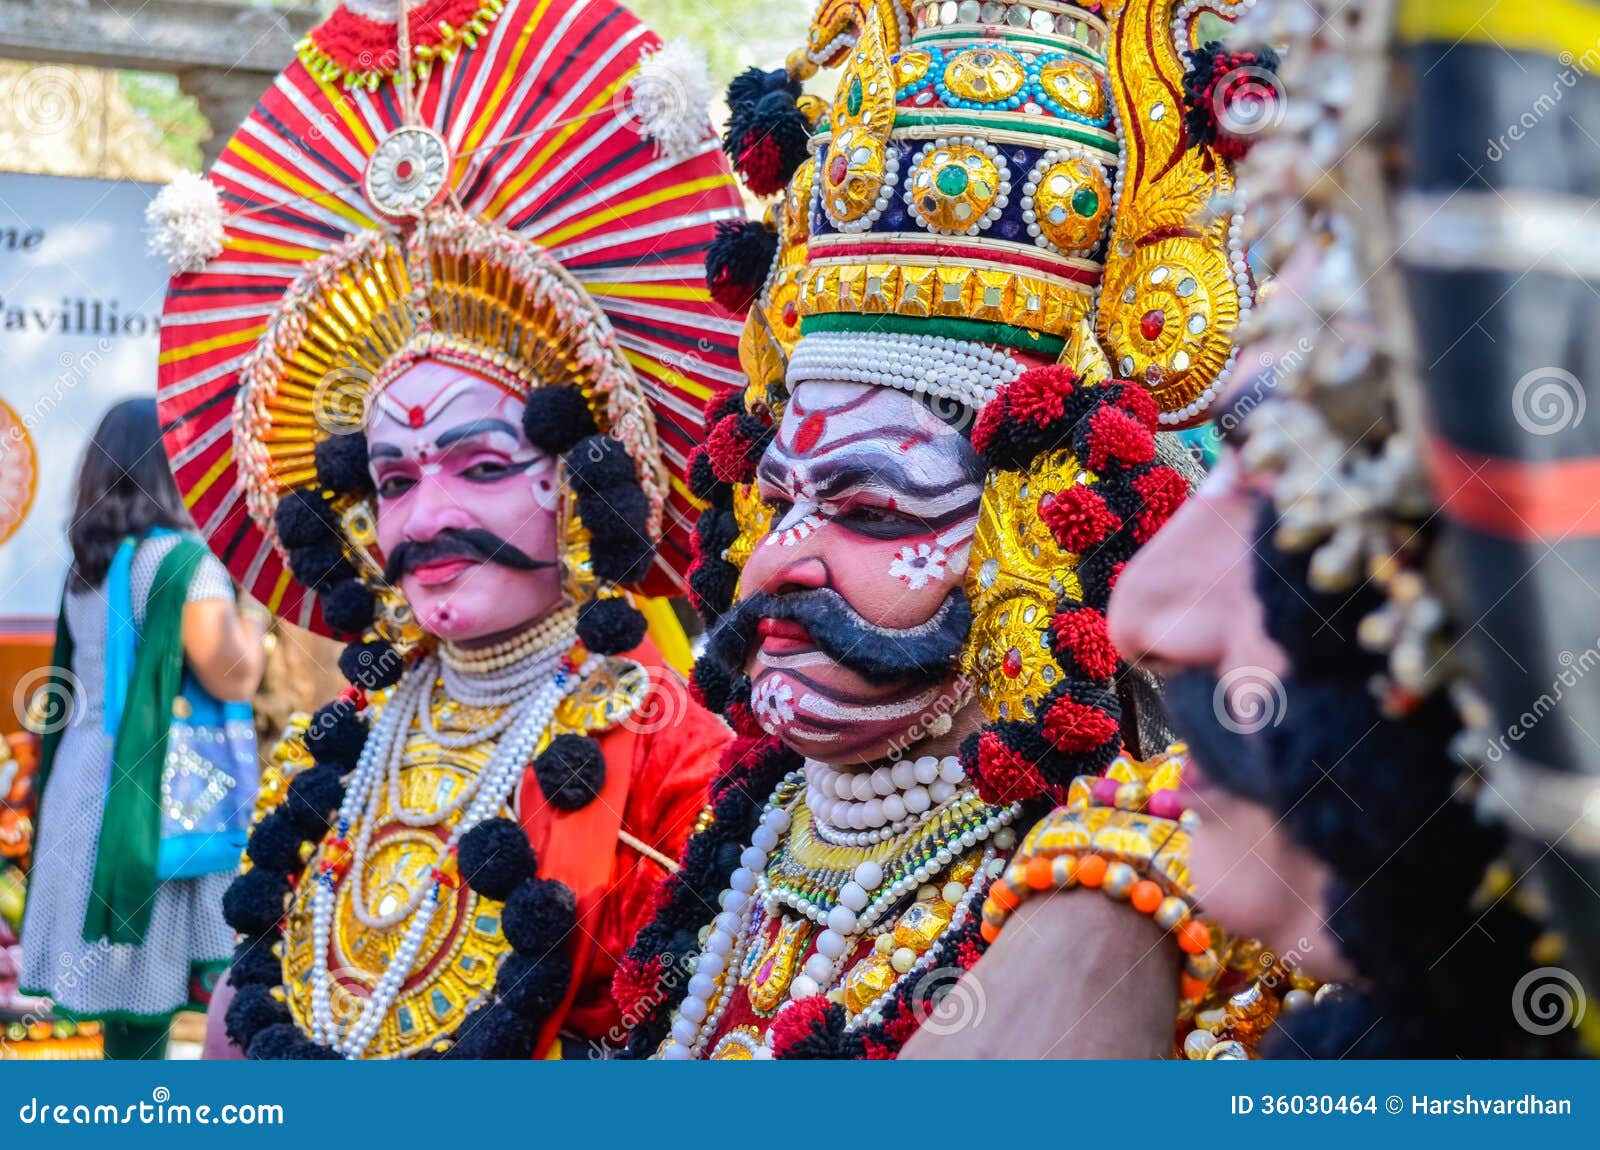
(185, 223)
(670, 98)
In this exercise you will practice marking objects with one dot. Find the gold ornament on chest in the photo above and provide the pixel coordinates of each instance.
(457, 963)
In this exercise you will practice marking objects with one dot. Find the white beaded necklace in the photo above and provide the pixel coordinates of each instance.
(531, 708)
(881, 802)
(862, 902)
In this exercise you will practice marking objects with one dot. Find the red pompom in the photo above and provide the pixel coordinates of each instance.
(1072, 726)
(1162, 490)
(1003, 776)
(1078, 518)
(729, 452)
(1116, 573)
(760, 163)
(735, 294)
(797, 1023)
(743, 720)
(637, 983)
(1082, 631)
(1137, 402)
(1116, 435)
(968, 954)
(1039, 395)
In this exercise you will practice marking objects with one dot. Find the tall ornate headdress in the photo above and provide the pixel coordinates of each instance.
(1009, 217)
(1005, 212)
(529, 199)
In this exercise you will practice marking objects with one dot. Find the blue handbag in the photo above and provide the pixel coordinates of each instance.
(211, 771)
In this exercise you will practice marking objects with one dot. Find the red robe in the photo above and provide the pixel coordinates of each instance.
(658, 771)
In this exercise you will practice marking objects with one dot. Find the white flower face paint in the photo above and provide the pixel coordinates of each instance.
(916, 566)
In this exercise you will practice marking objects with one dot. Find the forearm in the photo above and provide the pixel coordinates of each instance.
(1074, 975)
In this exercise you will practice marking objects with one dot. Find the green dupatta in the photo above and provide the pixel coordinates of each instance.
(123, 893)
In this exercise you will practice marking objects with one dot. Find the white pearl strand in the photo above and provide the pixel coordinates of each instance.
(498, 779)
(843, 801)
(477, 660)
(922, 364)
(858, 909)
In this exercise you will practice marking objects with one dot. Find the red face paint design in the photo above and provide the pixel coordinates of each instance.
(876, 498)
(448, 453)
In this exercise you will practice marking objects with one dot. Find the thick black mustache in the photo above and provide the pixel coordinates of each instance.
(458, 543)
(1236, 762)
(922, 653)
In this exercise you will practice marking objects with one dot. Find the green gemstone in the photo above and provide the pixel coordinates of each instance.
(952, 179)
(852, 98)
(1086, 202)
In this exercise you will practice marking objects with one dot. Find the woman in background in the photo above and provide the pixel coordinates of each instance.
(111, 932)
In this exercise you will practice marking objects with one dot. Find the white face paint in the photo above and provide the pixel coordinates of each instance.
(876, 498)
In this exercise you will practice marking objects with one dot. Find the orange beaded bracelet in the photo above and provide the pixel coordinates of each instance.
(1118, 880)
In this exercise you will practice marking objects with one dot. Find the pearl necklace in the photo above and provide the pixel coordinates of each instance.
(842, 801)
(490, 790)
(542, 635)
(862, 901)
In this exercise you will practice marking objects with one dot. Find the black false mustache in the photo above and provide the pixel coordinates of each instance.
(922, 654)
(1234, 761)
(458, 543)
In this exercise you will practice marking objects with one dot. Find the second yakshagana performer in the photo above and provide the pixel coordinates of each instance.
(993, 278)
(431, 373)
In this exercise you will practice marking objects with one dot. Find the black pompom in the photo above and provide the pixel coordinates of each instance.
(336, 734)
(348, 606)
(254, 963)
(495, 1032)
(622, 560)
(371, 665)
(539, 915)
(556, 417)
(304, 518)
(610, 626)
(252, 1010)
(571, 771)
(712, 683)
(275, 844)
(738, 261)
(533, 985)
(313, 797)
(598, 463)
(495, 858)
(619, 513)
(284, 1043)
(715, 530)
(342, 464)
(713, 582)
(703, 481)
(254, 902)
(321, 564)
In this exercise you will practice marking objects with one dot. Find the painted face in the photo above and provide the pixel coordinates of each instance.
(875, 503)
(466, 507)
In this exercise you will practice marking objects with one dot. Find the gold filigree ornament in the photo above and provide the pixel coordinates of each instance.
(1015, 579)
(1169, 187)
(984, 75)
(1176, 309)
(958, 186)
(754, 516)
(1066, 201)
(1075, 87)
(859, 168)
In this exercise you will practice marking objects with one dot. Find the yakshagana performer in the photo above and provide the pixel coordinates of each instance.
(919, 507)
(431, 374)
